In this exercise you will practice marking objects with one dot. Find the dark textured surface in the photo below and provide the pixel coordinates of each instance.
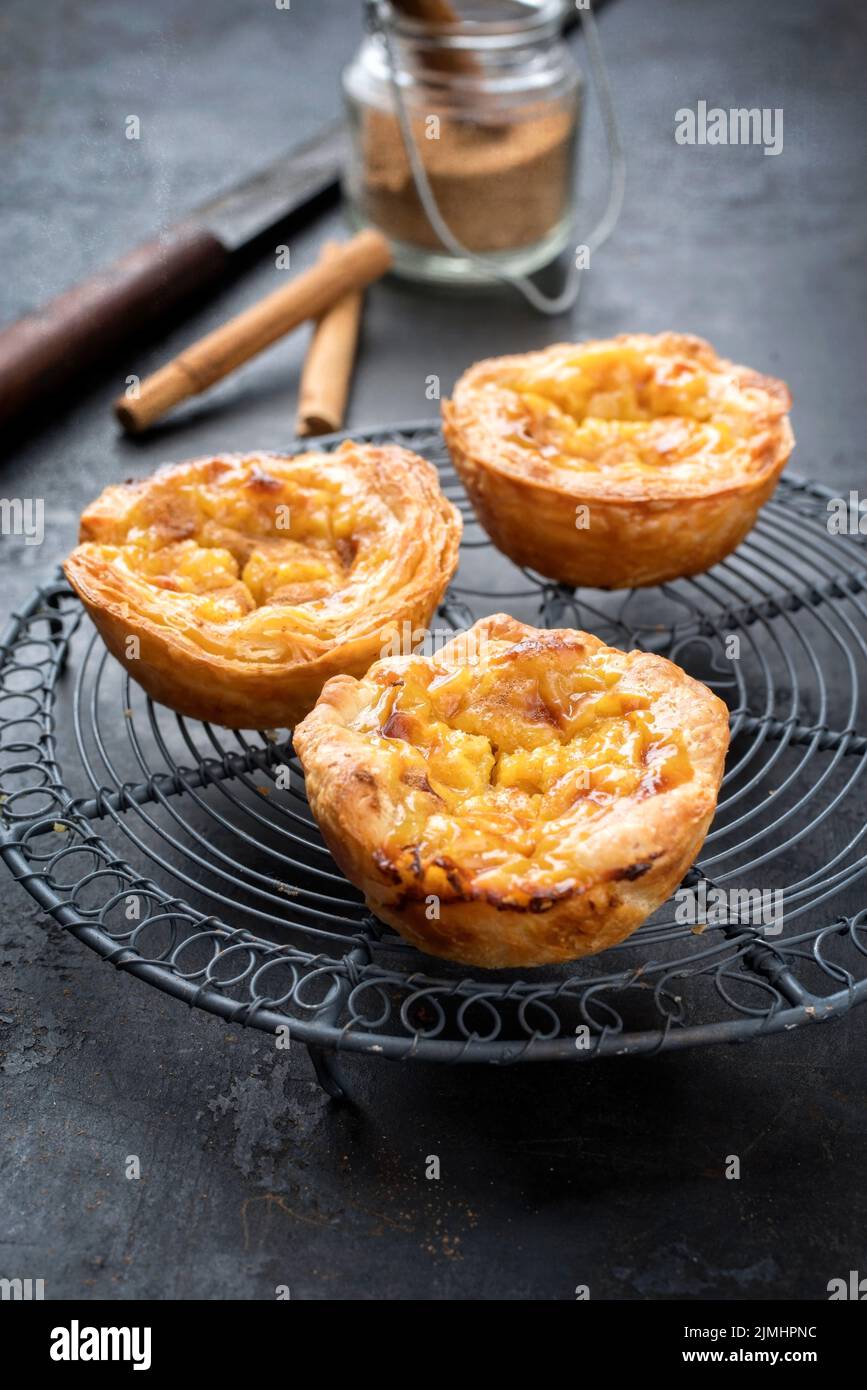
(608, 1175)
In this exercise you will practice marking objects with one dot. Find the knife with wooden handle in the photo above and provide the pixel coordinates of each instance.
(44, 352)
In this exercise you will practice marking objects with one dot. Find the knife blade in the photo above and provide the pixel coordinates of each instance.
(285, 187)
(42, 354)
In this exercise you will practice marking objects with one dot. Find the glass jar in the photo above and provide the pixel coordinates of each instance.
(494, 103)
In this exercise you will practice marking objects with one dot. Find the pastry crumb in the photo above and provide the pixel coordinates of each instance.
(285, 888)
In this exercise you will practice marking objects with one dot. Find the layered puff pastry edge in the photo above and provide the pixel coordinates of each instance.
(247, 581)
(522, 797)
(620, 462)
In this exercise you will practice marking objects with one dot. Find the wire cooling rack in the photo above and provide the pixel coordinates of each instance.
(168, 847)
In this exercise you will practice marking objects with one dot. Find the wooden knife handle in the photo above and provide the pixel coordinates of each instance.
(44, 352)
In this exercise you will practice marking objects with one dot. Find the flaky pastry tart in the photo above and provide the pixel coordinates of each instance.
(621, 462)
(231, 588)
(520, 798)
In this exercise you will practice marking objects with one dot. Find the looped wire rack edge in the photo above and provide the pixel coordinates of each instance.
(168, 847)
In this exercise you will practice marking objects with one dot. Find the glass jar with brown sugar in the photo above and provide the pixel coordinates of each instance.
(491, 102)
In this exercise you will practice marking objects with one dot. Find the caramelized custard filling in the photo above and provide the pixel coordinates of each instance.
(628, 412)
(249, 555)
(493, 765)
(226, 551)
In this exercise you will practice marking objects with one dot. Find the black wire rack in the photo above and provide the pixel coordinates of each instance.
(176, 851)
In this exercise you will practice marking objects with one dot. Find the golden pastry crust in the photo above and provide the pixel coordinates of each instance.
(545, 793)
(619, 462)
(249, 581)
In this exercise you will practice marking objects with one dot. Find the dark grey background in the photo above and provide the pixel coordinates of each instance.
(610, 1175)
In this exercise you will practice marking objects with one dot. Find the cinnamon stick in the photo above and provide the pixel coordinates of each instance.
(437, 12)
(428, 11)
(328, 366)
(354, 265)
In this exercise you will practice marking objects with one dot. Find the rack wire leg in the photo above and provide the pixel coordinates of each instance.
(324, 1065)
(55, 627)
(326, 1073)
